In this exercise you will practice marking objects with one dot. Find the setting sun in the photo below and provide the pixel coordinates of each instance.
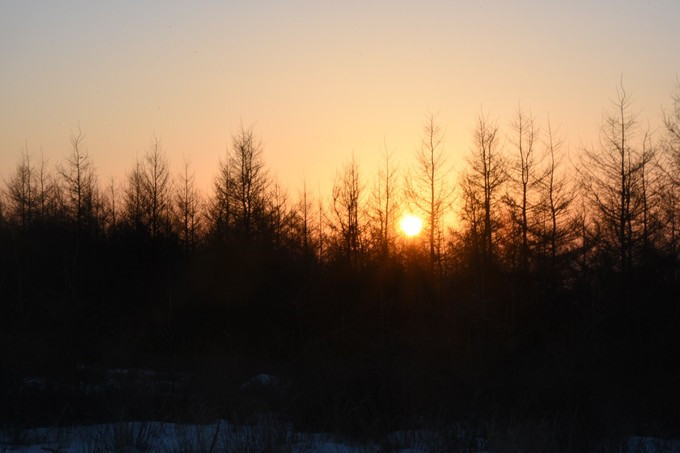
(411, 224)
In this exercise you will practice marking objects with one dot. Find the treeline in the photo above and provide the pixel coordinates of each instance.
(533, 261)
(520, 202)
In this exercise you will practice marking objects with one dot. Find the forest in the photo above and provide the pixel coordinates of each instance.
(541, 297)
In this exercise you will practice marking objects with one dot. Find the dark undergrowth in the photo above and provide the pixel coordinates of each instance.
(356, 352)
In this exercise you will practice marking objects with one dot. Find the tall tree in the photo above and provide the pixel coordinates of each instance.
(321, 227)
(157, 190)
(483, 181)
(21, 191)
(523, 180)
(80, 185)
(672, 135)
(187, 209)
(669, 209)
(555, 228)
(46, 191)
(133, 199)
(612, 177)
(383, 204)
(347, 192)
(305, 224)
(220, 211)
(428, 187)
(280, 216)
(650, 193)
(112, 202)
(670, 201)
(250, 181)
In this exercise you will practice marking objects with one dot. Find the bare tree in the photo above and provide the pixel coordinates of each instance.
(47, 189)
(428, 187)
(80, 184)
(672, 136)
(382, 204)
(471, 214)
(483, 181)
(134, 199)
(281, 218)
(321, 226)
(220, 211)
(157, 189)
(670, 187)
(250, 181)
(187, 209)
(21, 191)
(347, 191)
(650, 193)
(612, 177)
(554, 227)
(112, 199)
(304, 209)
(32, 191)
(523, 181)
(669, 207)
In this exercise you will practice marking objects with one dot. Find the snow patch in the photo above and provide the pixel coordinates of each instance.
(261, 380)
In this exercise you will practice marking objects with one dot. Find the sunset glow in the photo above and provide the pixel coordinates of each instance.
(411, 225)
(320, 80)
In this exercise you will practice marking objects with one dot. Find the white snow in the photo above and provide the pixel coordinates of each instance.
(171, 437)
(652, 445)
(222, 436)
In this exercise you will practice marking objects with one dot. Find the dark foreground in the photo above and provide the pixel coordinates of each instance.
(330, 348)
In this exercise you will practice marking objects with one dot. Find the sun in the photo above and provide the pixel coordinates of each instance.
(411, 225)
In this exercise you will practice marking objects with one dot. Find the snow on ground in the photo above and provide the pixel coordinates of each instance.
(221, 436)
(268, 434)
(169, 437)
(652, 445)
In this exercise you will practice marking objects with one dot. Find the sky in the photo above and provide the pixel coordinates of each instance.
(319, 80)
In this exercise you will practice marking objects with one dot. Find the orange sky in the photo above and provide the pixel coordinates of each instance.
(320, 79)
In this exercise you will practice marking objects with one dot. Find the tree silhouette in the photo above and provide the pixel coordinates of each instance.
(383, 205)
(523, 181)
(220, 211)
(305, 222)
(280, 217)
(651, 189)
(134, 201)
(188, 209)
(672, 123)
(428, 187)
(47, 192)
(112, 204)
(482, 182)
(21, 191)
(612, 177)
(555, 227)
(249, 182)
(156, 191)
(80, 186)
(347, 194)
(321, 228)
